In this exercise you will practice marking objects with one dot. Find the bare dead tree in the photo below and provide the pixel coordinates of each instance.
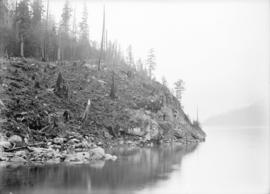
(46, 39)
(86, 111)
(102, 41)
(114, 61)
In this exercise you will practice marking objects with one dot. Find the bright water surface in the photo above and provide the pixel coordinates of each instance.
(232, 160)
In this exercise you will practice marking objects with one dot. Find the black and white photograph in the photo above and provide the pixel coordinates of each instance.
(134, 97)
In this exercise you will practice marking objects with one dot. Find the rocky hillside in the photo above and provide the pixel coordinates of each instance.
(41, 101)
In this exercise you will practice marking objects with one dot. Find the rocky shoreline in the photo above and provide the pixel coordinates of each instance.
(73, 150)
(64, 150)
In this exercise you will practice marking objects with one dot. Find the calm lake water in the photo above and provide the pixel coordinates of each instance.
(232, 160)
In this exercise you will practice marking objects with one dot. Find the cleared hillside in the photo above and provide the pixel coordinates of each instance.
(34, 109)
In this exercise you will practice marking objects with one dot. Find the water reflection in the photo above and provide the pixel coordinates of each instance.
(134, 170)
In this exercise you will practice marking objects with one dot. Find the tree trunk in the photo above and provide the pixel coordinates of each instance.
(46, 36)
(1, 49)
(112, 94)
(42, 50)
(22, 46)
(59, 50)
(58, 54)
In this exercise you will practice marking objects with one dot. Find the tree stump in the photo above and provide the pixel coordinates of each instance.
(61, 87)
(66, 116)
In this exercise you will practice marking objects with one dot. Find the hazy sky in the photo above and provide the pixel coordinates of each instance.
(219, 48)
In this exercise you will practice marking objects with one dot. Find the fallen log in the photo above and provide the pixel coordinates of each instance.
(24, 147)
(44, 128)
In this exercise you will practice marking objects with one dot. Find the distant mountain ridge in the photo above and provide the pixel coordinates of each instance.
(256, 114)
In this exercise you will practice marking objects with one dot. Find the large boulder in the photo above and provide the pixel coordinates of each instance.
(145, 125)
(18, 160)
(15, 139)
(179, 133)
(97, 153)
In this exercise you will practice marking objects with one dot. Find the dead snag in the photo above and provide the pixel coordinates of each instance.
(86, 111)
(113, 87)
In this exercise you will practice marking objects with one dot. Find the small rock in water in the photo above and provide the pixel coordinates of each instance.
(110, 157)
